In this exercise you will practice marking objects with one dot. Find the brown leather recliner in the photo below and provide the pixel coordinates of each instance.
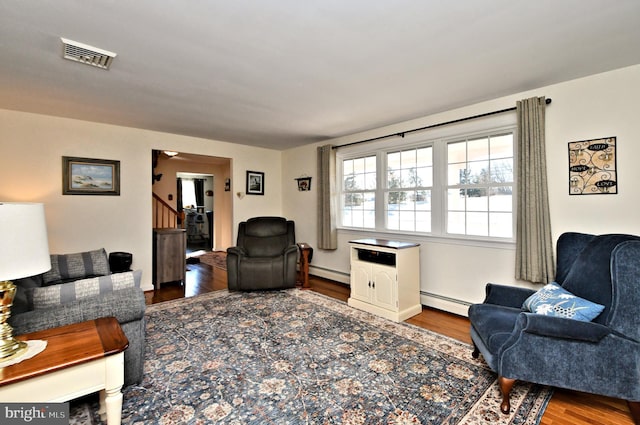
(265, 255)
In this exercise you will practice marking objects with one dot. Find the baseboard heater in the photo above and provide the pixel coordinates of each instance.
(329, 274)
(452, 305)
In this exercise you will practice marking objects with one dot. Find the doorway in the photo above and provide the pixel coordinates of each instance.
(214, 173)
(195, 200)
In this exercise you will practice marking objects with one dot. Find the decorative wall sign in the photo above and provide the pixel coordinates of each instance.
(592, 167)
(304, 183)
(255, 183)
(87, 176)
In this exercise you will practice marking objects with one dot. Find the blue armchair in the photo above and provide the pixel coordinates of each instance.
(601, 356)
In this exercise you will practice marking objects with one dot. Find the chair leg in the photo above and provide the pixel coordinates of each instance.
(476, 353)
(506, 384)
(634, 407)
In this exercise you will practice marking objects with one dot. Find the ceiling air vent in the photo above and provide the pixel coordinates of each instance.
(89, 55)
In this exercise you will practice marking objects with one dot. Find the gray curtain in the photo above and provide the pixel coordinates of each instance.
(327, 233)
(534, 247)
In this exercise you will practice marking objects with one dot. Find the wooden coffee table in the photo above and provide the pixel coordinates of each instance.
(80, 359)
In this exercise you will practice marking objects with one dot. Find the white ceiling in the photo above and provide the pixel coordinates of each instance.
(283, 73)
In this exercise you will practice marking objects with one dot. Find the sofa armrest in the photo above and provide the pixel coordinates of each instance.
(126, 305)
(508, 296)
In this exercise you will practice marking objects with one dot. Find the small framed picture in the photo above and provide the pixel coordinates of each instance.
(304, 183)
(255, 183)
(88, 176)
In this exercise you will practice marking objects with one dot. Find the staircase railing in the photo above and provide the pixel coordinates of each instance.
(164, 215)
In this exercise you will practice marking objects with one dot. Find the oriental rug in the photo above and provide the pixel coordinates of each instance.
(298, 357)
(214, 259)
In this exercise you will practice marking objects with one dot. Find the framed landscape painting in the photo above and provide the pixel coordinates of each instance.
(87, 176)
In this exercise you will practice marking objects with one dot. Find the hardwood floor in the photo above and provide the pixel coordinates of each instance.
(565, 408)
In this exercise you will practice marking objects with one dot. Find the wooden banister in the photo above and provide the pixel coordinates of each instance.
(164, 215)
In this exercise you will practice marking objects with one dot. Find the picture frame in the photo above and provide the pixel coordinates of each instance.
(89, 176)
(255, 183)
(592, 167)
(304, 183)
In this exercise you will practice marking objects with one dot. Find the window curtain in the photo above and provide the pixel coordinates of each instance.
(198, 186)
(179, 207)
(534, 247)
(327, 232)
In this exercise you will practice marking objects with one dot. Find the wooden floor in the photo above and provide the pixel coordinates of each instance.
(565, 407)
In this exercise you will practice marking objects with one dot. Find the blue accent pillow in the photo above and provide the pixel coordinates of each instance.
(554, 300)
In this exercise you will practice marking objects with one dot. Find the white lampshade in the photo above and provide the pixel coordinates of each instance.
(24, 247)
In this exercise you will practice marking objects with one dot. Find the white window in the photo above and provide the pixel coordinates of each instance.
(408, 189)
(359, 184)
(450, 187)
(480, 186)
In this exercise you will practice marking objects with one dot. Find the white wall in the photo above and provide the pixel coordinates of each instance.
(31, 150)
(598, 106)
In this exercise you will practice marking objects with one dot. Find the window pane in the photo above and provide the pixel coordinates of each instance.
(407, 220)
(478, 172)
(456, 223)
(347, 167)
(408, 159)
(409, 177)
(456, 152)
(393, 218)
(423, 200)
(501, 199)
(393, 161)
(370, 164)
(393, 179)
(423, 221)
(456, 199)
(501, 146)
(478, 149)
(424, 157)
(425, 176)
(370, 181)
(477, 200)
(501, 225)
(502, 171)
(457, 174)
(478, 224)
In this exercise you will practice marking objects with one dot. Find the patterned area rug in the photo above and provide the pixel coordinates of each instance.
(297, 357)
(214, 259)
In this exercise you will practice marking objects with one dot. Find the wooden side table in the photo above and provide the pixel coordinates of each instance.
(306, 252)
(79, 359)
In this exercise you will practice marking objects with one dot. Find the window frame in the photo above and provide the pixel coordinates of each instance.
(438, 139)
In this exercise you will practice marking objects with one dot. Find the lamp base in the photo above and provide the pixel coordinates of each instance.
(11, 348)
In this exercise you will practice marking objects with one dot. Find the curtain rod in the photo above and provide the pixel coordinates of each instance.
(402, 133)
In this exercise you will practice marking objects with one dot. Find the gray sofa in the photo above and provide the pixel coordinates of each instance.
(80, 287)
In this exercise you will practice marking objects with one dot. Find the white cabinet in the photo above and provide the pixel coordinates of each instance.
(385, 278)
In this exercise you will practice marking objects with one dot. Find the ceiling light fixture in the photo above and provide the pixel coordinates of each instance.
(170, 153)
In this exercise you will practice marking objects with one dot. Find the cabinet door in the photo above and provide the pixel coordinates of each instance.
(384, 292)
(360, 279)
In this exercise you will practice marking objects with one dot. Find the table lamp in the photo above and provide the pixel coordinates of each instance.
(24, 251)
